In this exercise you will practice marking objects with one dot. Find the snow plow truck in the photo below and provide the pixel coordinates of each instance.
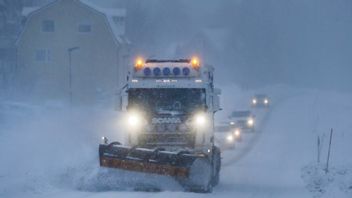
(169, 108)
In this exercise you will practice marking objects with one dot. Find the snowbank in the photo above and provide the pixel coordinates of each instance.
(337, 182)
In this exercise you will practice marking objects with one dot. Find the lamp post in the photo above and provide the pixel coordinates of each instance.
(70, 50)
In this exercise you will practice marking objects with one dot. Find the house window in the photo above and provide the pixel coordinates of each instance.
(119, 20)
(84, 28)
(42, 55)
(48, 26)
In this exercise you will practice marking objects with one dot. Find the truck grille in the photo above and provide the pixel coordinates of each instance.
(167, 139)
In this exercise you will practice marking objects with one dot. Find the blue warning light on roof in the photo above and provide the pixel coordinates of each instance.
(186, 71)
(157, 71)
(166, 71)
(147, 71)
(176, 71)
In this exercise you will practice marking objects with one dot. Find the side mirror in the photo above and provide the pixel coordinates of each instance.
(216, 100)
(216, 104)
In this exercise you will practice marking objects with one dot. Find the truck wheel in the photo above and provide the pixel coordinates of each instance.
(200, 177)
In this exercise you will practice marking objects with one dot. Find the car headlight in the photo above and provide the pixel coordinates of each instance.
(232, 123)
(229, 138)
(254, 101)
(134, 120)
(266, 101)
(250, 122)
(237, 133)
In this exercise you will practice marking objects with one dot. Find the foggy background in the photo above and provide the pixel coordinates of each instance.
(252, 43)
(299, 42)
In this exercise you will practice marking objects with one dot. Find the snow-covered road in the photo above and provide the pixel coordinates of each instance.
(272, 167)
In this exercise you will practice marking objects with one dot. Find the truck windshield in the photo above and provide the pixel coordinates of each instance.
(167, 101)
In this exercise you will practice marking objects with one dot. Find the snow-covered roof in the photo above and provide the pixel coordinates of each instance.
(107, 11)
(27, 10)
(110, 13)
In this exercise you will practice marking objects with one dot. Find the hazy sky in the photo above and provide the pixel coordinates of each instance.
(250, 42)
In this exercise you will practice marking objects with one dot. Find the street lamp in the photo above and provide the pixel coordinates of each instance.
(70, 50)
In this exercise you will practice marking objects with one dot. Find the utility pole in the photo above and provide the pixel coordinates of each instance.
(70, 50)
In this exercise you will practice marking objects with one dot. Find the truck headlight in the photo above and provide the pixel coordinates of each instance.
(134, 120)
(250, 122)
(200, 120)
(266, 101)
(254, 101)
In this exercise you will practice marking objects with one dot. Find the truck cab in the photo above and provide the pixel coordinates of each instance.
(171, 104)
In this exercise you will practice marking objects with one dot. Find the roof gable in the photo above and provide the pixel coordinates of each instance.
(108, 14)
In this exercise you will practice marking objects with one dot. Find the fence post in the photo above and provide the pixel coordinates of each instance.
(319, 149)
(328, 159)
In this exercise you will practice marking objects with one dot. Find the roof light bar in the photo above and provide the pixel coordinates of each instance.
(168, 61)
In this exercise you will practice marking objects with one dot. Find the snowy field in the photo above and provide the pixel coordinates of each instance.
(51, 151)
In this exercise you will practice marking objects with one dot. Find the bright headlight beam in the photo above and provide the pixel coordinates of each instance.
(250, 122)
(237, 132)
(200, 120)
(134, 120)
(254, 101)
(229, 138)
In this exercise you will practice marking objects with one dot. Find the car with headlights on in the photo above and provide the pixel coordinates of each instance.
(234, 135)
(226, 136)
(260, 100)
(230, 141)
(237, 134)
(242, 121)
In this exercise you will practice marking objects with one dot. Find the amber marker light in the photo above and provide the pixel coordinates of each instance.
(195, 63)
(139, 64)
